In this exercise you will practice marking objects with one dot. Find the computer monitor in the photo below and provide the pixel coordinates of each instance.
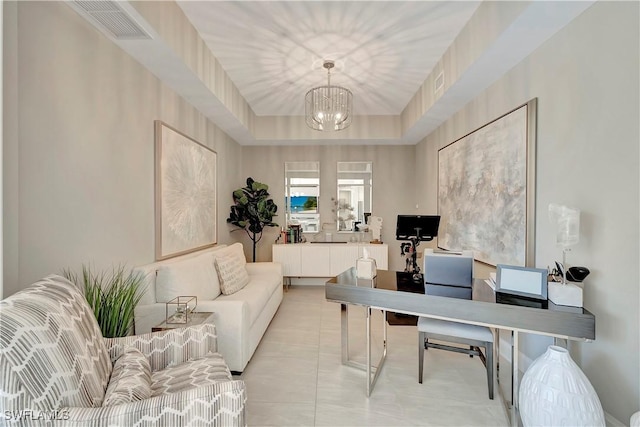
(421, 227)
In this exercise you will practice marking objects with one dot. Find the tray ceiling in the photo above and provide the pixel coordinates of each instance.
(246, 65)
(273, 51)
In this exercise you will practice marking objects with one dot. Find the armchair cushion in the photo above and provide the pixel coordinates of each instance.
(130, 379)
(201, 372)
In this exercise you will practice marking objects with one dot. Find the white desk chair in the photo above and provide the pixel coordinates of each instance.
(453, 270)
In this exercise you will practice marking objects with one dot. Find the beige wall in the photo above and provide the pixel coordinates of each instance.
(586, 82)
(80, 176)
(393, 184)
(1, 144)
(9, 146)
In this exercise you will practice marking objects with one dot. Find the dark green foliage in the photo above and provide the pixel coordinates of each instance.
(253, 210)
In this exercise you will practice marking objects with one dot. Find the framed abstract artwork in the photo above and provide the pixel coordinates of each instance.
(185, 193)
(486, 190)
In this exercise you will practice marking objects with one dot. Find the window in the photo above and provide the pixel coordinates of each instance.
(353, 202)
(302, 191)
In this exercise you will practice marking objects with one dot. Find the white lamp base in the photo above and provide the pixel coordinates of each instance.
(569, 294)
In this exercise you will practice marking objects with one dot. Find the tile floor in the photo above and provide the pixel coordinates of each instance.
(296, 378)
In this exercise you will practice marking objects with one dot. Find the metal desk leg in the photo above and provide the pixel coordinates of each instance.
(369, 385)
(515, 380)
(511, 378)
(496, 350)
(375, 369)
(344, 332)
(561, 342)
(515, 377)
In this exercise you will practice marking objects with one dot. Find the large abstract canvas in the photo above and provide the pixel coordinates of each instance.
(185, 193)
(485, 190)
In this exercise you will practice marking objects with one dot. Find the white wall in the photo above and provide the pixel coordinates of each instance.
(82, 148)
(586, 79)
(393, 184)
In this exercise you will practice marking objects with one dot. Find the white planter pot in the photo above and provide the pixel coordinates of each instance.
(555, 392)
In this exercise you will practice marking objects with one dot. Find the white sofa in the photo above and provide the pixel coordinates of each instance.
(240, 318)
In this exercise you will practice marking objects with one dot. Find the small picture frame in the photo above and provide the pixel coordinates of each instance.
(522, 281)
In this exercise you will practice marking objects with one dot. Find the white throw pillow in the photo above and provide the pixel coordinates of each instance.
(236, 250)
(232, 273)
(190, 277)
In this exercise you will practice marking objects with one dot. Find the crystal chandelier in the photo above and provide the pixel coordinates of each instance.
(328, 107)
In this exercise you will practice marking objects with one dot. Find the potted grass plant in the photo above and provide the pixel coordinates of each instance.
(112, 295)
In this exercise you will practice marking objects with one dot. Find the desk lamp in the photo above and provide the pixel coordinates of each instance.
(567, 222)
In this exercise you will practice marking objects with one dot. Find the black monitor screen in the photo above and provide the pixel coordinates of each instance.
(422, 227)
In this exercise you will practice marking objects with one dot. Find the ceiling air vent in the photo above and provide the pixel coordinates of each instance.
(438, 84)
(111, 19)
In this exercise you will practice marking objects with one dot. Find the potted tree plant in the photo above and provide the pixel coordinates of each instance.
(113, 296)
(252, 210)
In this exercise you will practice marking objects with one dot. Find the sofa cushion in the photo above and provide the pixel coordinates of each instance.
(192, 276)
(232, 273)
(199, 372)
(130, 379)
(255, 295)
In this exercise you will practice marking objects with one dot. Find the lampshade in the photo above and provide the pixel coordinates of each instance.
(568, 224)
(328, 107)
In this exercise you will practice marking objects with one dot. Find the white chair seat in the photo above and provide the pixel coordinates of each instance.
(454, 329)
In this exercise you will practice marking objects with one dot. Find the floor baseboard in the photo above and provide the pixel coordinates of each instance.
(611, 421)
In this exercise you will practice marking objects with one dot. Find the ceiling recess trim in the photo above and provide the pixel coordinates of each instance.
(109, 18)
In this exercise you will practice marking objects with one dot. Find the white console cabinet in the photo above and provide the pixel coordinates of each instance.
(326, 259)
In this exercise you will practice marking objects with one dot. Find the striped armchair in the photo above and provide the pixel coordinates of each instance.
(55, 365)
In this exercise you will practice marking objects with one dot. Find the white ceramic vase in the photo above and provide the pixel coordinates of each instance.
(555, 392)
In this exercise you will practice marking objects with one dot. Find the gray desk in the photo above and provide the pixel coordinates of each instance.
(568, 323)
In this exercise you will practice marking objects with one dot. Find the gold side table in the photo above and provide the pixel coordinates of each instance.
(196, 318)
